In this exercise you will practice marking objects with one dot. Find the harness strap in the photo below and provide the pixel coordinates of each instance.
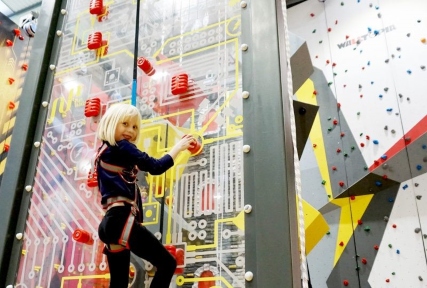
(124, 238)
(111, 168)
(126, 231)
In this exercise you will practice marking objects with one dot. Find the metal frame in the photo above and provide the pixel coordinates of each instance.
(30, 123)
(271, 243)
(270, 229)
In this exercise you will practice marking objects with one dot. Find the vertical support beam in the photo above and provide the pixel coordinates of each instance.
(271, 228)
(22, 156)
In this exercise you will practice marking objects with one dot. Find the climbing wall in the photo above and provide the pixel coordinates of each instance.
(364, 162)
(188, 82)
(15, 47)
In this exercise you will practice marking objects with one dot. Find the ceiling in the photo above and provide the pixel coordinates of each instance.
(15, 9)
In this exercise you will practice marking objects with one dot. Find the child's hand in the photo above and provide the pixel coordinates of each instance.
(186, 142)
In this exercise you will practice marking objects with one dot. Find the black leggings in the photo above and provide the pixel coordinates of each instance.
(141, 242)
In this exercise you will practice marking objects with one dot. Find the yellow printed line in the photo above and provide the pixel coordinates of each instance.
(83, 277)
(191, 33)
(305, 94)
(162, 117)
(180, 280)
(212, 140)
(157, 129)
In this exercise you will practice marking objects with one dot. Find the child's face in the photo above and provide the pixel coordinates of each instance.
(127, 129)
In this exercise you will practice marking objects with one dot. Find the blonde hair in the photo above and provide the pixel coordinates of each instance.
(115, 114)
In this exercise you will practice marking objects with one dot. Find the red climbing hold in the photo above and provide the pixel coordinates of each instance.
(92, 107)
(82, 236)
(179, 84)
(146, 66)
(94, 41)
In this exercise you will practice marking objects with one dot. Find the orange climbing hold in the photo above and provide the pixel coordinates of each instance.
(17, 32)
(10, 80)
(11, 105)
(9, 43)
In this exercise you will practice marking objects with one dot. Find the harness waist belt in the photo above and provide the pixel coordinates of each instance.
(116, 199)
(109, 167)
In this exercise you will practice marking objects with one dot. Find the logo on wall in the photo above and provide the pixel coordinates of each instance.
(370, 34)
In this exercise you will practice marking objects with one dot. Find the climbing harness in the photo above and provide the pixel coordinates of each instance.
(120, 200)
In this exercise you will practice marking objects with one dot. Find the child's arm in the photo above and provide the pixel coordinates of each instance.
(183, 144)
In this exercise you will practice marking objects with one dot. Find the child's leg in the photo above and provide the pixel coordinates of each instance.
(145, 245)
(118, 262)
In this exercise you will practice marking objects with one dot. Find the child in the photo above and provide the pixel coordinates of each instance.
(117, 163)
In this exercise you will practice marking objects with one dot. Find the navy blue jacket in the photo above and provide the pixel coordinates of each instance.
(126, 155)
